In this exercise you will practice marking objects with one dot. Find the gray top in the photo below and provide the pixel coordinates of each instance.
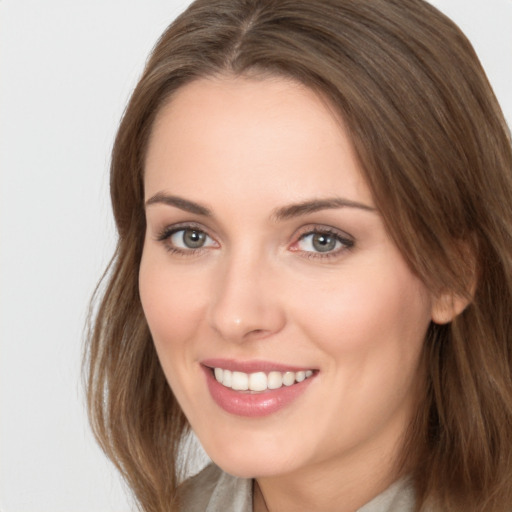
(212, 490)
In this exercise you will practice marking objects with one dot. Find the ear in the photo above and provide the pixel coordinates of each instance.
(447, 306)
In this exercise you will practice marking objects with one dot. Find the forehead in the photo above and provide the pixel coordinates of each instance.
(251, 136)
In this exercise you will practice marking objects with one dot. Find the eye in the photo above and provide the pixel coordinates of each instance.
(322, 243)
(185, 239)
(189, 239)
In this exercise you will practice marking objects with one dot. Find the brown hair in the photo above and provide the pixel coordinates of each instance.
(436, 153)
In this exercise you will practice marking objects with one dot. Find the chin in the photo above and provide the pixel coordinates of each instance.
(251, 468)
(253, 459)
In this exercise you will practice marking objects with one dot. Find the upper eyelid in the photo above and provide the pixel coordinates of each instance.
(170, 229)
(328, 233)
(319, 228)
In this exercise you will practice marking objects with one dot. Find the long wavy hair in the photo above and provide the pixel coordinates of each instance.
(435, 151)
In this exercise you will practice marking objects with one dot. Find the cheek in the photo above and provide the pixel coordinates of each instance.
(369, 310)
(172, 306)
(171, 302)
(370, 327)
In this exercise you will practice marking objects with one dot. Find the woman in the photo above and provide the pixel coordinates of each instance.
(314, 265)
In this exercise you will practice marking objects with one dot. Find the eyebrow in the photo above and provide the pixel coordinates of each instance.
(279, 214)
(296, 210)
(179, 202)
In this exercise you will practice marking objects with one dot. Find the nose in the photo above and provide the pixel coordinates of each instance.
(245, 304)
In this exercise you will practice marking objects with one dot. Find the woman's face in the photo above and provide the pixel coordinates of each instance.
(266, 263)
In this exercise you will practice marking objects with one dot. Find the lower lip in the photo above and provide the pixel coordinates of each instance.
(253, 405)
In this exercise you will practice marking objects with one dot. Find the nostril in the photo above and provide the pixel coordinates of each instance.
(256, 333)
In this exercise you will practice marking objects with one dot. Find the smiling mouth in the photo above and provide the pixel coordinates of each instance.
(259, 381)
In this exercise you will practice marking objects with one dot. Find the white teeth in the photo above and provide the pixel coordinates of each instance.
(259, 381)
(240, 381)
(275, 380)
(227, 377)
(289, 378)
(300, 376)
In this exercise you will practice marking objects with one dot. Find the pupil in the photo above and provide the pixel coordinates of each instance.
(193, 239)
(323, 243)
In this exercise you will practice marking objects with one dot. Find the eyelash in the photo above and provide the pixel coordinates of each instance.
(165, 235)
(347, 243)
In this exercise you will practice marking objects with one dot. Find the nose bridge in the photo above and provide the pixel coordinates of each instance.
(243, 303)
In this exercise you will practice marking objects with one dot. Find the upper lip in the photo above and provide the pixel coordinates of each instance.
(252, 366)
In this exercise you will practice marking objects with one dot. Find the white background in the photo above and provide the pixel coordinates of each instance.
(66, 72)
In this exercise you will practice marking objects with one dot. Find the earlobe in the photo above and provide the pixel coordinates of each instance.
(447, 306)
(447, 303)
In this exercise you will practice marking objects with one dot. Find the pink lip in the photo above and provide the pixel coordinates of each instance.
(246, 403)
(251, 366)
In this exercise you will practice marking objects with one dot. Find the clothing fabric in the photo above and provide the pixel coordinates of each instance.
(213, 490)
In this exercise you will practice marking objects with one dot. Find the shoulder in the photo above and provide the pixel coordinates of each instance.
(195, 492)
(212, 490)
(399, 497)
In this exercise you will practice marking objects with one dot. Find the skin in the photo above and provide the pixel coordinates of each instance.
(259, 290)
